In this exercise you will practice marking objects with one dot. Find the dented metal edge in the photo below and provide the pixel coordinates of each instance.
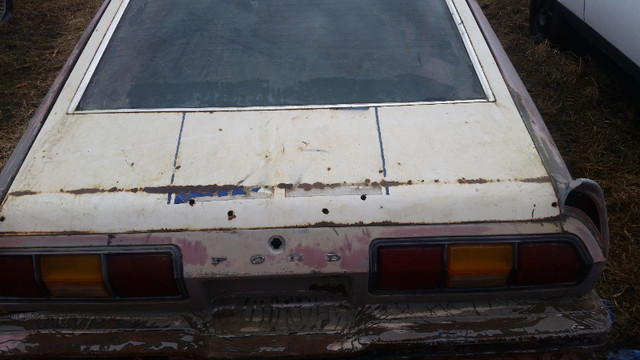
(11, 168)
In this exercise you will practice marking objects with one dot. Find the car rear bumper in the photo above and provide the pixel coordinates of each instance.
(292, 327)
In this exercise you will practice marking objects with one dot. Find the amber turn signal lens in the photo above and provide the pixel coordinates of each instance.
(478, 265)
(73, 275)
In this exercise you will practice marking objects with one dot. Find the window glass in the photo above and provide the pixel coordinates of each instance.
(237, 53)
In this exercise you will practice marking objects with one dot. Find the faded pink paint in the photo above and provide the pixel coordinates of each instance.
(355, 253)
(10, 342)
(314, 257)
(193, 252)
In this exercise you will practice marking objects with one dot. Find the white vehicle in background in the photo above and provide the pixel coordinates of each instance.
(612, 26)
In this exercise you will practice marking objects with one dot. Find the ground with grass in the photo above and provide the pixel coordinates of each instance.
(591, 109)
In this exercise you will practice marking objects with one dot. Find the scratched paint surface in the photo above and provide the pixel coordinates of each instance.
(266, 164)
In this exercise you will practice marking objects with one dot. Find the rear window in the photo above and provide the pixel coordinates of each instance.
(246, 53)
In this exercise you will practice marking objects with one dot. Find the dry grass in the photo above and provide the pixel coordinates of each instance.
(34, 45)
(593, 114)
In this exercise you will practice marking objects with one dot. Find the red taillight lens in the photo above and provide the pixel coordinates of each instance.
(410, 267)
(547, 263)
(17, 277)
(82, 273)
(508, 264)
(142, 275)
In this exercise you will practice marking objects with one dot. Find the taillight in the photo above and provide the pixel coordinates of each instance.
(410, 267)
(94, 274)
(547, 263)
(511, 263)
(142, 275)
(17, 277)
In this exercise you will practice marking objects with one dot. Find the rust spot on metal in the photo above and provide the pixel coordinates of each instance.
(229, 188)
(23, 193)
(231, 215)
(187, 188)
(385, 183)
(323, 224)
(328, 224)
(317, 185)
(385, 223)
(84, 191)
(472, 181)
(541, 179)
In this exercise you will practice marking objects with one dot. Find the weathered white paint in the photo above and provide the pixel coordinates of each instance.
(575, 6)
(617, 21)
(424, 164)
